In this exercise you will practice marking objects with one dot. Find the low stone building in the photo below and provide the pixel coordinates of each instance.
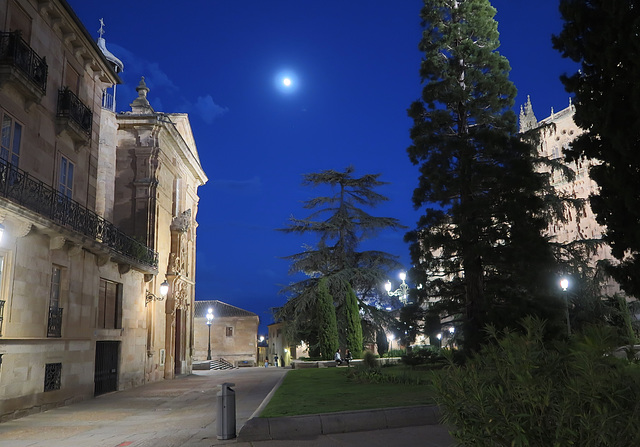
(234, 333)
(283, 348)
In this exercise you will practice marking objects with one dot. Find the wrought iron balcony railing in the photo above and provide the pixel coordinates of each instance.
(19, 187)
(70, 106)
(1, 314)
(16, 52)
(54, 328)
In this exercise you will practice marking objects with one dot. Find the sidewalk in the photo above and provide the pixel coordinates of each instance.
(182, 413)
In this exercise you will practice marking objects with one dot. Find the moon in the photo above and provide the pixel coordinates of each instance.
(286, 81)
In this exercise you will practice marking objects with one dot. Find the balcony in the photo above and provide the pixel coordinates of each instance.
(1, 314)
(54, 327)
(22, 66)
(73, 116)
(108, 101)
(19, 187)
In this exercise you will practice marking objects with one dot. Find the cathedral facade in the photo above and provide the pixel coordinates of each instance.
(556, 132)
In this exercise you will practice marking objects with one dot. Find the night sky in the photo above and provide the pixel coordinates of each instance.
(353, 66)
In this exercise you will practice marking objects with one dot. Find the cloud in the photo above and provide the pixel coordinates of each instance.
(162, 88)
(209, 110)
(250, 186)
(156, 78)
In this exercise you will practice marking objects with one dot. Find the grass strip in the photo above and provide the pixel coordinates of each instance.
(327, 390)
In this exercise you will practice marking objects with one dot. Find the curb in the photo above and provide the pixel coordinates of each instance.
(312, 425)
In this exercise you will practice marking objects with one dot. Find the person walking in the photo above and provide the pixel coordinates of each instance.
(275, 360)
(337, 358)
(266, 362)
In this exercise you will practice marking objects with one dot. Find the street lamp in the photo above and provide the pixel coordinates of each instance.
(401, 291)
(209, 321)
(164, 289)
(564, 285)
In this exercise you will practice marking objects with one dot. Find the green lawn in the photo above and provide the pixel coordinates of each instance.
(326, 390)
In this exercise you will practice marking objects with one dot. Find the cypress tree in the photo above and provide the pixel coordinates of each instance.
(382, 342)
(326, 317)
(479, 248)
(353, 326)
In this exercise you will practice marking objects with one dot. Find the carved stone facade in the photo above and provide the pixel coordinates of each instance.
(557, 131)
(86, 242)
(157, 199)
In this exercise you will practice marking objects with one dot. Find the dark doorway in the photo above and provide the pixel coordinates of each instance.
(106, 377)
(178, 342)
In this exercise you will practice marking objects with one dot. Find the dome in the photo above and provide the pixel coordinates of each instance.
(117, 63)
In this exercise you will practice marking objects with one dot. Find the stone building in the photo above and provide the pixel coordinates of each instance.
(158, 173)
(557, 131)
(285, 349)
(234, 333)
(94, 220)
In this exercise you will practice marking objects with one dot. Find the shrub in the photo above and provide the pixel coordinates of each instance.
(423, 356)
(517, 391)
(369, 360)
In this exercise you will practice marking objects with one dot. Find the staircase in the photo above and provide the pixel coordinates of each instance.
(218, 364)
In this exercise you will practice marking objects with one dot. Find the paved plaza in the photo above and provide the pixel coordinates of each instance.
(182, 412)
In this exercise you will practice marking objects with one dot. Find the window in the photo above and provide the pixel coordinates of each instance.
(20, 20)
(10, 140)
(65, 185)
(54, 325)
(229, 331)
(110, 305)
(71, 79)
(1, 301)
(54, 296)
(52, 376)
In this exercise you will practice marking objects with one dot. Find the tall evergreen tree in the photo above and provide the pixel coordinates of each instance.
(602, 36)
(353, 327)
(326, 316)
(478, 247)
(340, 223)
(382, 343)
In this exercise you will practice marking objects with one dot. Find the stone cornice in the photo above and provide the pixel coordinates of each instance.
(64, 21)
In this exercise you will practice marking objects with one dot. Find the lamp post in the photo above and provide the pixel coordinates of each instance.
(564, 285)
(209, 321)
(401, 291)
(391, 337)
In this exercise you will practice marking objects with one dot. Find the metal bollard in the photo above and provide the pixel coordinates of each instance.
(226, 412)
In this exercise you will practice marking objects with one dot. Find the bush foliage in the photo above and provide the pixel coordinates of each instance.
(423, 356)
(522, 391)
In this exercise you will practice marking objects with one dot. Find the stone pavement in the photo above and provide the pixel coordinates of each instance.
(182, 413)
